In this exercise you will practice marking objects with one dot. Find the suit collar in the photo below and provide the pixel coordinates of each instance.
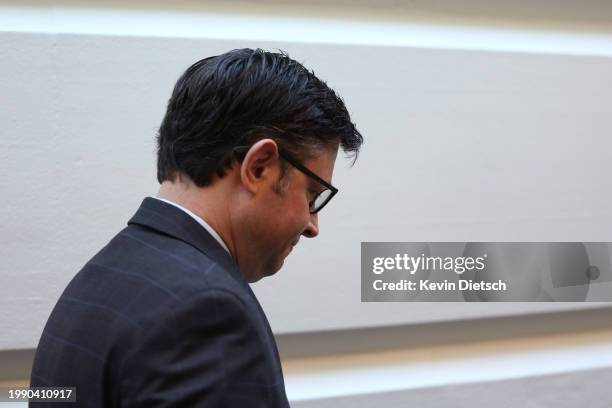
(170, 220)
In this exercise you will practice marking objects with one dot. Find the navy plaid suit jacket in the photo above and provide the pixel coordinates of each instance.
(160, 317)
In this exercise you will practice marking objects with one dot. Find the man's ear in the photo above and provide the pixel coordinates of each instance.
(259, 166)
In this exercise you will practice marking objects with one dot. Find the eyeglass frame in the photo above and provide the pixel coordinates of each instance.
(296, 163)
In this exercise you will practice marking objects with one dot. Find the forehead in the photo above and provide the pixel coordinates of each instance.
(323, 162)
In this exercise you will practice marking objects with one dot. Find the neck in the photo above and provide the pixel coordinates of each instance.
(210, 203)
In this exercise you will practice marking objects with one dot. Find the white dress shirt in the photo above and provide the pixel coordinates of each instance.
(200, 221)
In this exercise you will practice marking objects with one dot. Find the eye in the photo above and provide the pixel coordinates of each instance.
(312, 194)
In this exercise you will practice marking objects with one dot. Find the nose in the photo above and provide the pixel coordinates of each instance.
(312, 230)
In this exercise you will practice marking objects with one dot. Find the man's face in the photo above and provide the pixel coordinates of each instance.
(283, 214)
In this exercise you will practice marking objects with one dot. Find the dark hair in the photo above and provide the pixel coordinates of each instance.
(242, 96)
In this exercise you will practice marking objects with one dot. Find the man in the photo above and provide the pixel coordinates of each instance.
(163, 316)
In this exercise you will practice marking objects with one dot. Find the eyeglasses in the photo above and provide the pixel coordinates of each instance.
(318, 201)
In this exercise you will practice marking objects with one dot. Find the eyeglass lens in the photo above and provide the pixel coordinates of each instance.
(320, 199)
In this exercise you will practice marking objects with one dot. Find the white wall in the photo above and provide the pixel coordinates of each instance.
(482, 122)
(461, 144)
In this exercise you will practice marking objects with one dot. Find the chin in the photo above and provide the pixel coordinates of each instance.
(265, 273)
(276, 269)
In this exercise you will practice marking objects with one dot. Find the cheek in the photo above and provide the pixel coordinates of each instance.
(287, 215)
(288, 225)
(300, 215)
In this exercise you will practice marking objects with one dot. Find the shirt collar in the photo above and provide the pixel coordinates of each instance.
(200, 221)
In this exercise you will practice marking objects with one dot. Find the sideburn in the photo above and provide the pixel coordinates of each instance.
(280, 186)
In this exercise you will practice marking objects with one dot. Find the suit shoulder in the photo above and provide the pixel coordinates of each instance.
(171, 262)
(143, 274)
